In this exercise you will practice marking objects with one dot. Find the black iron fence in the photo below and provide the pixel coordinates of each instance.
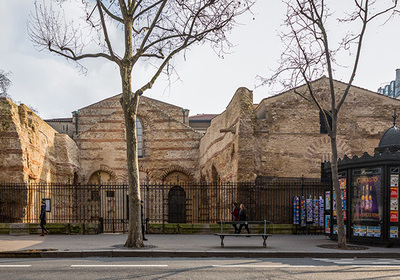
(269, 198)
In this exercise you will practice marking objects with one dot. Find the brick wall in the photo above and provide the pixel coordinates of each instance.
(169, 144)
(30, 149)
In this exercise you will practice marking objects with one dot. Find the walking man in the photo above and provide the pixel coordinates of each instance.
(43, 218)
(142, 217)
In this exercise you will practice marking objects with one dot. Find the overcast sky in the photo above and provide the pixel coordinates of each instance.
(55, 87)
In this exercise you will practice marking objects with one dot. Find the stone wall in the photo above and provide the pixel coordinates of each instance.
(288, 139)
(227, 148)
(63, 125)
(31, 150)
(279, 137)
(169, 144)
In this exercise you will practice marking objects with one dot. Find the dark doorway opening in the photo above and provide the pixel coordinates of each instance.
(176, 205)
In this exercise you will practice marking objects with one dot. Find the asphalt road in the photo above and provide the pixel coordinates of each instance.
(207, 268)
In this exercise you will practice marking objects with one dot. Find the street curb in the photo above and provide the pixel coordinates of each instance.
(194, 254)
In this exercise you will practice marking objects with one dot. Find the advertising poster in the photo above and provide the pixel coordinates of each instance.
(363, 230)
(370, 232)
(366, 202)
(377, 231)
(335, 229)
(394, 181)
(302, 211)
(360, 230)
(334, 205)
(327, 223)
(328, 200)
(296, 210)
(394, 205)
(342, 183)
(394, 232)
(343, 191)
(394, 193)
(316, 211)
(394, 216)
(309, 210)
(374, 231)
(321, 212)
(356, 230)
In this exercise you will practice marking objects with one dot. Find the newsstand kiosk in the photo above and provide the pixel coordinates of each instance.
(370, 194)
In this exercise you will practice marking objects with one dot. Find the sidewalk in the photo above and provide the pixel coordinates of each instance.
(161, 245)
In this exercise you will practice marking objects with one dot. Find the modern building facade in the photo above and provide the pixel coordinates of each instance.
(392, 89)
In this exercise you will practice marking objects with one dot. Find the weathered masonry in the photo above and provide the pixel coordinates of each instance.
(282, 136)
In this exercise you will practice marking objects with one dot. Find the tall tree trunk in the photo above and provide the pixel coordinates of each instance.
(130, 103)
(335, 181)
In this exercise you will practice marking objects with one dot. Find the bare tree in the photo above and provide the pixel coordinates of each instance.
(5, 83)
(309, 54)
(151, 31)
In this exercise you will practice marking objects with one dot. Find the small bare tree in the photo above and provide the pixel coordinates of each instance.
(309, 54)
(5, 83)
(128, 33)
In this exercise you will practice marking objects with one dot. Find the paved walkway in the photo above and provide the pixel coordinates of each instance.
(161, 245)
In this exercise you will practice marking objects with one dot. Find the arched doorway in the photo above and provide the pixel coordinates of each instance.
(101, 177)
(176, 177)
(176, 205)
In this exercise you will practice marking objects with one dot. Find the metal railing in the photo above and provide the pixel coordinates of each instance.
(268, 199)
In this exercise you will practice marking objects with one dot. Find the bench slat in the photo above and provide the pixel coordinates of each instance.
(242, 234)
(242, 222)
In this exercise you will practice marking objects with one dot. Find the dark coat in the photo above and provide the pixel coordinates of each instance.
(235, 214)
(242, 215)
(141, 214)
(43, 213)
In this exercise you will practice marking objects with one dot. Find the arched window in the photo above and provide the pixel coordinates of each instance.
(139, 133)
(323, 128)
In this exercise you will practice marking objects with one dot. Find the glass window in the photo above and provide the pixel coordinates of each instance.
(139, 133)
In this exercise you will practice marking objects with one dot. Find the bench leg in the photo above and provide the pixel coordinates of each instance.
(222, 240)
(265, 241)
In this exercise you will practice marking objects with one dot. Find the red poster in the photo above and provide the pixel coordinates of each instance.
(394, 216)
(394, 192)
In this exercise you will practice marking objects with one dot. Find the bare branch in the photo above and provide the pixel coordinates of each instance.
(109, 13)
(5, 83)
(104, 28)
(308, 53)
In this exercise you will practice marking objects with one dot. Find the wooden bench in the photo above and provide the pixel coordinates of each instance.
(264, 235)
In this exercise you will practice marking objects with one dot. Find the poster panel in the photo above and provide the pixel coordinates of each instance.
(394, 216)
(367, 200)
(328, 200)
(394, 180)
(328, 224)
(394, 232)
(343, 194)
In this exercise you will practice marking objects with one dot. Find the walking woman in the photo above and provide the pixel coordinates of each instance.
(43, 218)
(243, 219)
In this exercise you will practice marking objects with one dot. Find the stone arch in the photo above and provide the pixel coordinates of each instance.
(144, 120)
(104, 173)
(214, 175)
(168, 174)
(321, 149)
